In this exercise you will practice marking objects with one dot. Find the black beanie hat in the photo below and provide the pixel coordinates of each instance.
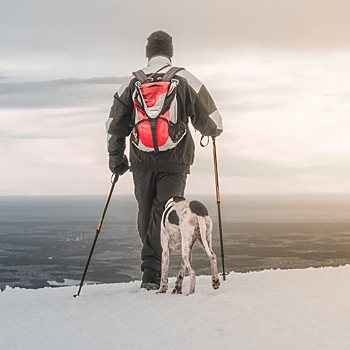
(159, 43)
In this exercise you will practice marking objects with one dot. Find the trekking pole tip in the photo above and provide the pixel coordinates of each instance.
(223, 274)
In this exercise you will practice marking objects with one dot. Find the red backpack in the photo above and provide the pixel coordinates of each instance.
(156, 124)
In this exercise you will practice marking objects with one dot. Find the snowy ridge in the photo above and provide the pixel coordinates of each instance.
(272, 309)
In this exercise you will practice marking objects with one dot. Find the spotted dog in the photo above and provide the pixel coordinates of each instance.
(183, 222)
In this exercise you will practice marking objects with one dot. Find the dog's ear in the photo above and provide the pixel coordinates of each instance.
(175, 199)
(170, 200)
(178, 199)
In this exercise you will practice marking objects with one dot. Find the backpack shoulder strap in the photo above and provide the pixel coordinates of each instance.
(170, 73)
(140, 76)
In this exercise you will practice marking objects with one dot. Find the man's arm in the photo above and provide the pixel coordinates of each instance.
(118, 128)
(207, 118)
(204, 115)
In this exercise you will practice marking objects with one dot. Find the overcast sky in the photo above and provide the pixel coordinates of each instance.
(278, 71)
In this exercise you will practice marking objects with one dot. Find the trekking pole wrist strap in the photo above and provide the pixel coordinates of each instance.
(202, 143)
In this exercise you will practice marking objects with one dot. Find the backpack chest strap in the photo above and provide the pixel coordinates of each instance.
(141, 76)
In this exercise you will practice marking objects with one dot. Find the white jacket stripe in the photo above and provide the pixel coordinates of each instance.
(216, 117)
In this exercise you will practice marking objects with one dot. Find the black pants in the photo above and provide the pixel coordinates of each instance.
(152, 191)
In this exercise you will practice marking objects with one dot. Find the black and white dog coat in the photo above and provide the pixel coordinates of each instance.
(183, 222)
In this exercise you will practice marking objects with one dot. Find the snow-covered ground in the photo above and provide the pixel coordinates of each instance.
(280, 309)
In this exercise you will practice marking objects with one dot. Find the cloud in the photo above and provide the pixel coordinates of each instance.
(69, 38)
(9, 88)
(58, 93)
(108, 25)
(45, 124)
(286, 125)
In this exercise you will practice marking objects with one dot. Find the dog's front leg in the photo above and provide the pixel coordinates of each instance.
(179, 279)
(186, 258)
(192, 275)
(181, 275)
(165, 265)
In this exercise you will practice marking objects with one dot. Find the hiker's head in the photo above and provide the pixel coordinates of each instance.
(159, 43)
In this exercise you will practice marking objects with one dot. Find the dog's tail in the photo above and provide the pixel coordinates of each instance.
(203, 231)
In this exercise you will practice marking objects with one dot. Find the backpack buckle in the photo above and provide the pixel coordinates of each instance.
(138, 83)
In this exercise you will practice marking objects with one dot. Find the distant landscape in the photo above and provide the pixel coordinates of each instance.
(45, 241)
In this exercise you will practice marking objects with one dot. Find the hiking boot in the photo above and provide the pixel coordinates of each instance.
(150, 279)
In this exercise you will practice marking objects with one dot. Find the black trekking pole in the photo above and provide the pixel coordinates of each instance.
(218, 203)
(114, 180)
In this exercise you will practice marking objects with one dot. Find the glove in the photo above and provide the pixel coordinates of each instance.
(218, 132)
(119, 168)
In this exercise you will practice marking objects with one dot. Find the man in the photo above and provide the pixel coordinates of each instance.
(158, 175)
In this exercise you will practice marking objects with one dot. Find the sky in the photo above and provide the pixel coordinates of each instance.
(277, 70)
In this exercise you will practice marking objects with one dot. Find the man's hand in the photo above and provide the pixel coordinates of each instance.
(119, 168)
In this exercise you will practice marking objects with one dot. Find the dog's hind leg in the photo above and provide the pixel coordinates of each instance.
(205, 227)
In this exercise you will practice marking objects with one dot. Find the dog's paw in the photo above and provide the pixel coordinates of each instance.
(190, 292)
(177, 290)
(216, 283)
(161, 290)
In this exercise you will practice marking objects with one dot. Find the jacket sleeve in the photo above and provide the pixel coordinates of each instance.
(118, 123)
(206, 118)
(204, 115)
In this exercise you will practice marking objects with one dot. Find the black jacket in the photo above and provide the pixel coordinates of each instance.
(193, 101)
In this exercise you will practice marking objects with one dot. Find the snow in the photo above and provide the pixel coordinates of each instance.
(268, 310)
